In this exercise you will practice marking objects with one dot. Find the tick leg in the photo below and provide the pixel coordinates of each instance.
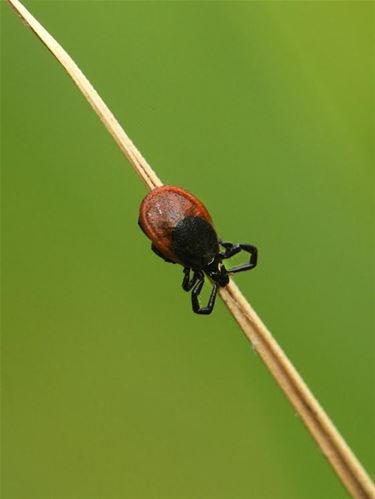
(196, 292)
(232, 249)
(188, 283)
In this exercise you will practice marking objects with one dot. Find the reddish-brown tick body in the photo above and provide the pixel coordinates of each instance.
(163, 210)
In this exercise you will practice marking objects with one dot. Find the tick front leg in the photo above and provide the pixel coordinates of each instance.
(232, 249)
(196, 292)
(188, 283)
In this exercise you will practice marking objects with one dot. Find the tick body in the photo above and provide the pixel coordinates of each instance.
(182, 231)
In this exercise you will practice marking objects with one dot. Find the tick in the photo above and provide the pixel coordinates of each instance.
(181, 231)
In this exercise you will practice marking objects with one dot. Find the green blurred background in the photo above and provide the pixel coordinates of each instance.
(112, 387)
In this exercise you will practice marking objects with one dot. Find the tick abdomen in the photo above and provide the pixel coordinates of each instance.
(162, 210)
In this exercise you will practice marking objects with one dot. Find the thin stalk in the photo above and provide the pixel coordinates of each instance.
(332, 444)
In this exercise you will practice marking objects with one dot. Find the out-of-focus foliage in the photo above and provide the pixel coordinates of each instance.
(112, 387)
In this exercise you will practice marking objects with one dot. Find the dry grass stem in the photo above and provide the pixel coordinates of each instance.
(334, 447)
